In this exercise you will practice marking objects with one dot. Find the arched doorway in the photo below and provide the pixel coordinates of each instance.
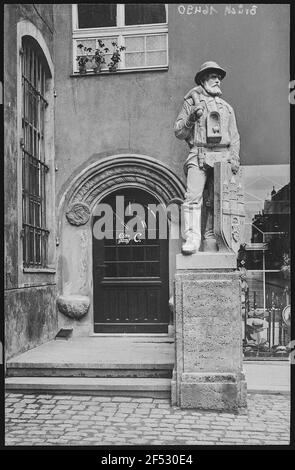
(130, 273)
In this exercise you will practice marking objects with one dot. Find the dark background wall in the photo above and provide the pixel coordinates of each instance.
(97, 116)
(254, 49)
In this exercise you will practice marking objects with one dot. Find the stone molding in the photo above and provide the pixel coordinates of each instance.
(119, 171)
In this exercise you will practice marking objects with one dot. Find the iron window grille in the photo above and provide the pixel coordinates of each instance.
(34, 167)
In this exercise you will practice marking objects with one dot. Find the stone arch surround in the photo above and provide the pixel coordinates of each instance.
(90, 186)
(124, 170)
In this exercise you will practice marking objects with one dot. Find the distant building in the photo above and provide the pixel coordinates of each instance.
(275, 216)
(266, 254)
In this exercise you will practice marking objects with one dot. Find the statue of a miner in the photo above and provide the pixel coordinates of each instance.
(208, 125)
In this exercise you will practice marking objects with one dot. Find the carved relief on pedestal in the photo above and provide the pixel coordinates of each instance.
(78, 213)
(229, 213)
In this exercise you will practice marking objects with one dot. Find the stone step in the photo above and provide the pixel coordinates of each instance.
(130, 387)
(18, 369)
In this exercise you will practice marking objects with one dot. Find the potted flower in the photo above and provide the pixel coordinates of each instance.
(99, 56)
(116, 57)
(83, 58)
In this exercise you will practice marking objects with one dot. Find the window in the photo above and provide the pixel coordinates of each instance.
(145, 14)
(96, 15)
(140, 28)
(34, 168)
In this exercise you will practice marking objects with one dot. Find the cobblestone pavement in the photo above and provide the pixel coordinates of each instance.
(88, 420)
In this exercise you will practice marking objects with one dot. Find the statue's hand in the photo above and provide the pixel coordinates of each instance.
(196, 113)
(235, 165)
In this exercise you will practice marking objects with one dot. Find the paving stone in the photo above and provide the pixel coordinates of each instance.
(78, 407)
(113, 420)
(47, 397)
(20, 404)
(144, 400)
(62, 407)
(67, 397)
(80, 418)
(121, 399)
(126, 408)
(101, 399)
(110, 405)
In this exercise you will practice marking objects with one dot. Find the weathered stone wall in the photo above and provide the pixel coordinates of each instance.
(41, 15)
(30, 311)
(30, 318)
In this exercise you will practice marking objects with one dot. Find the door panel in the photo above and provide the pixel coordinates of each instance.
(130, 276)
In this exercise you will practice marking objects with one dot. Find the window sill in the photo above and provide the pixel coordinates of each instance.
(122, 71)
(39, 270)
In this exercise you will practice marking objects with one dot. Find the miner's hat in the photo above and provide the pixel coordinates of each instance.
(209, 67)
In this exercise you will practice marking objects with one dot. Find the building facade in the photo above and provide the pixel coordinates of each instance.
(30, 266)
(109, 138)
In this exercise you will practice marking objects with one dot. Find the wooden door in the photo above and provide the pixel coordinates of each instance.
(130, 276)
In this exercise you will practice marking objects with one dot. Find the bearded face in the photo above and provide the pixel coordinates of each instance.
(211, 83)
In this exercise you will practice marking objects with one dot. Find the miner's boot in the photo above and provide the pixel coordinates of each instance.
(192, 230)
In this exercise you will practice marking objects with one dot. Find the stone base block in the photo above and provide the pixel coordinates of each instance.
(207, 260)
(216, 391)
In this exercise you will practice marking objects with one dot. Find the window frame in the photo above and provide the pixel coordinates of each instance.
(120, 31)
(34, 155)
(34, 275)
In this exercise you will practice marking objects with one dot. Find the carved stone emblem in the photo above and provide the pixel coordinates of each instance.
(229, 212)
(78, 213)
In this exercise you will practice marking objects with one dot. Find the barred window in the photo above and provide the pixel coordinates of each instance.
(34, 167)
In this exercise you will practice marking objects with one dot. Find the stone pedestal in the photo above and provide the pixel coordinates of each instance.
(208, 371)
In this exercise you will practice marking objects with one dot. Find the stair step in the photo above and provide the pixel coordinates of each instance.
(89, 370)
(136, 387)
